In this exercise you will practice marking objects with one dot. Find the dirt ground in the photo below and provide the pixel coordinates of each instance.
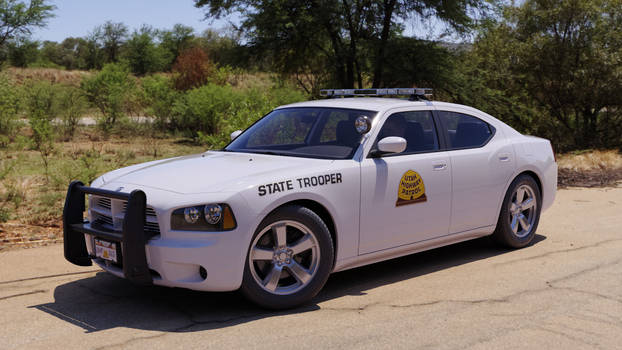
(564, 291)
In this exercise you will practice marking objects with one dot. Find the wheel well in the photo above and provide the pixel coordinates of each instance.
(323, 213)
(535, 178)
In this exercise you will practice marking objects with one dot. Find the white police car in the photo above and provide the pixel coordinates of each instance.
(313, 188)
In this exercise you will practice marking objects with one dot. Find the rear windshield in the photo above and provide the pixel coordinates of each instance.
(304, 132)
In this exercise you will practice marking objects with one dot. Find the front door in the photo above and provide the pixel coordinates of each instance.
(405, 197)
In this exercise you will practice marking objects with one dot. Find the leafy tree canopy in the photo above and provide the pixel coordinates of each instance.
(18, 18)
(351, 35)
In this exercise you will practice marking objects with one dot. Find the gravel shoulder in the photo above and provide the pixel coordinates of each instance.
(564, 291)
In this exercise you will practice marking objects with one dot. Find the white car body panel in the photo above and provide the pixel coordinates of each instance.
(463, 198)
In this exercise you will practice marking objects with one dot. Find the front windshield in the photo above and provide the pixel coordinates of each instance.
(304, 132)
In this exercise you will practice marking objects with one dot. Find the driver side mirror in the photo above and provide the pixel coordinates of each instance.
(390, 145)
(235, 134)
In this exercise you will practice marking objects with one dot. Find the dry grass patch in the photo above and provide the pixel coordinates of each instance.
(54, 76)
(591, 168)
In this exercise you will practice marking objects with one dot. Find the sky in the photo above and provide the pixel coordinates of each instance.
(76, 18)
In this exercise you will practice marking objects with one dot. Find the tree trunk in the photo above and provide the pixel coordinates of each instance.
(389, 7)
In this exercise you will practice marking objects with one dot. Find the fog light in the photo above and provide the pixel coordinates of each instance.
(192, 215)
(213, 213)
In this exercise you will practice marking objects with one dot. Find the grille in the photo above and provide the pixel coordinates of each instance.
(103, 220)
(104, 203)
(148, 211)
(102, 214)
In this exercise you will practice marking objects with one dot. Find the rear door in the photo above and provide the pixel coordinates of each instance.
(405, 197)
(481, 164)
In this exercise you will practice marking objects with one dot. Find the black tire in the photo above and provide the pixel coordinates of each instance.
(294, 215)
(504, 234)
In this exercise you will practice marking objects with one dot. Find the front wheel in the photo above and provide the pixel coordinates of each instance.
(520, 213)
(289, 259)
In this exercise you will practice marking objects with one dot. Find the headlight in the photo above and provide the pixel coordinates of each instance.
(208, 217)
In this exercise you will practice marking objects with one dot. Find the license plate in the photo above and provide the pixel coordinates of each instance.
(106, 250)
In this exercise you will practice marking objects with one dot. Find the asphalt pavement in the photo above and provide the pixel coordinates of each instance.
(562, 292)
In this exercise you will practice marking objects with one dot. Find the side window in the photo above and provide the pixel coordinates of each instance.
(464, 131)
(416, 127)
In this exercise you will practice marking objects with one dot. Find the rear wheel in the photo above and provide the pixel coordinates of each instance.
(289, 259)
(520, 213)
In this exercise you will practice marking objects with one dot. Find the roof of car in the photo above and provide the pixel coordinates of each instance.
(368, 103)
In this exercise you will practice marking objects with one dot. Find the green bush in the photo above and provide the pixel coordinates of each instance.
(110, 90)
(5, 214)
(72, 104)
(40, 102)
(250, 105)
(159, 97)
(202, 109)
(8, 110)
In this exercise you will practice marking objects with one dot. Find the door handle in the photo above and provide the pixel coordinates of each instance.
(439, 166)
(504, 158)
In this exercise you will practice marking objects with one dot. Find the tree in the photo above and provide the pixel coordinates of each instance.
(192, 69)
(109, 90)
(142, 53)
(111, 36)
(22, 52)
(17, 19)
(353, 35)
(175, 41)
(556, 66)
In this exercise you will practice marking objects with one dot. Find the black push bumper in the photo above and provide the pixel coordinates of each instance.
(132, 238)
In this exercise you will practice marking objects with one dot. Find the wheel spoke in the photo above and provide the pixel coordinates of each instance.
(513, 207)
(523, 222)
(305, 243)
(528, 203)
(262, 254)
(300, 273)
(272, 279)
(280, 233)
(520, 196)
(514, 223)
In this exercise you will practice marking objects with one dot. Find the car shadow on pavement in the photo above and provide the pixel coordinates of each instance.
(105, 301)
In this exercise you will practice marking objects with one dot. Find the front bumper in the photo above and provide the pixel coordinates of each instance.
(173, 259)
(132, 238)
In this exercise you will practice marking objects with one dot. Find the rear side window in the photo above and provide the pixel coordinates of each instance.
(465, 131)
(417, 127)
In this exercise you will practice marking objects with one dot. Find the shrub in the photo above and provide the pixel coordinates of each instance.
(72, 105)
(5, 214)
(40, 102)
(192, 69)
(249, 106)
(159, 97)
(8, 110)
(202, 109)
(109, 91)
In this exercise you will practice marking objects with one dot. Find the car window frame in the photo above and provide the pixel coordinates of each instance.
(445, 130)
(435, 121)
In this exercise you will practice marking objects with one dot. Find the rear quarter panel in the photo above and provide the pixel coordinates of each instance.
(536, 155)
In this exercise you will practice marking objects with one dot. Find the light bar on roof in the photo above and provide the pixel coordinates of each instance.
(377, 92)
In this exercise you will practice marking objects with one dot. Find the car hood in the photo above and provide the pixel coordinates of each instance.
(209, 172)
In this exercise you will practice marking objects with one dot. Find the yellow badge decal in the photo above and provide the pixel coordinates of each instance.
(411, 189)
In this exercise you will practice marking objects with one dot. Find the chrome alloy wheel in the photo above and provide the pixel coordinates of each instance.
(523, 208)
(284, 257)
